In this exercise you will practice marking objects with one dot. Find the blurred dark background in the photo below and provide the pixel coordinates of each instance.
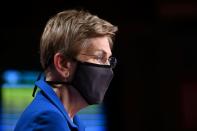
(155, 83)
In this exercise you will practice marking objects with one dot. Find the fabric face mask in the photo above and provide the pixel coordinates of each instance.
(92, 81)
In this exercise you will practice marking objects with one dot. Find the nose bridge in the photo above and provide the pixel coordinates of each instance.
(108, 62)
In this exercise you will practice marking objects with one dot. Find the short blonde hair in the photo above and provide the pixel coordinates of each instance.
(67, 31)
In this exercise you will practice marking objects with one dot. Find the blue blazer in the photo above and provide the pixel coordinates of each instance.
(47, 113)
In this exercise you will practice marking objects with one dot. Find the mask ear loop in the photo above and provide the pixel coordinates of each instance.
(50, 82)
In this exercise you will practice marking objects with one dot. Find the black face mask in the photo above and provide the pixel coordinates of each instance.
(91, 80)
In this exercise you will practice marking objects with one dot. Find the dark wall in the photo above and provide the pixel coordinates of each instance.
(156, 51)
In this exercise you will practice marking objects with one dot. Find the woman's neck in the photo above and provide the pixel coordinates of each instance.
(69, 96)
(71, 99)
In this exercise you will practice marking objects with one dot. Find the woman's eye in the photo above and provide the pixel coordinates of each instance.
(99, 57)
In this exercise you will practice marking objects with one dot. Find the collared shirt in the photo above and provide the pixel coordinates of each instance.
(47, 113)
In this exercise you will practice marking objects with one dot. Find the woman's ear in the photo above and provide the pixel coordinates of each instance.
(61, 65)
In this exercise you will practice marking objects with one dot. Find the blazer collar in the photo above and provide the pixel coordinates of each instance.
(47, 89)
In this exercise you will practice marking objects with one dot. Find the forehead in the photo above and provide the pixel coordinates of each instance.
(98, 44)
